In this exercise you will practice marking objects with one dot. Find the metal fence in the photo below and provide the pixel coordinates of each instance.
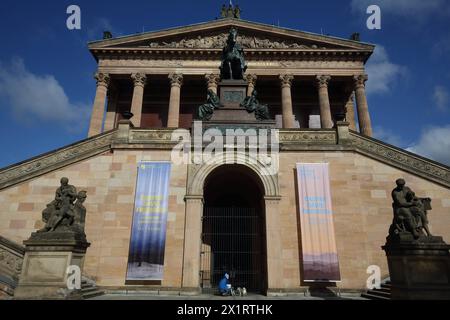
(232, 242)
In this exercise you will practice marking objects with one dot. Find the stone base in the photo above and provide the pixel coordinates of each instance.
(419, 269)
(44, 270)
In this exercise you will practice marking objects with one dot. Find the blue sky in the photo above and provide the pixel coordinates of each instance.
(46, 72)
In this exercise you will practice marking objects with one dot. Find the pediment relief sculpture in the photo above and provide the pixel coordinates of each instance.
(220, 40)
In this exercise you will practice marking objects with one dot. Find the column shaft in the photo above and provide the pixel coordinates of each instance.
(326, 120)
(98, 109)
(139, 80)
(350, 112)
(111, 110)
(251, 80)
(365, 125)
(174, 103)
(286, 101)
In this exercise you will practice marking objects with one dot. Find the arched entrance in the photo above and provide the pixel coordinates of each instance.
(233, 229)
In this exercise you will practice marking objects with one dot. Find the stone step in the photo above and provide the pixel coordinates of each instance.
(374, 297)
(380, 293)
(386, 286)
(87, 290)
(92, 294)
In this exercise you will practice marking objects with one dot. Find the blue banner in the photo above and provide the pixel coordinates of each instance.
(148, 233)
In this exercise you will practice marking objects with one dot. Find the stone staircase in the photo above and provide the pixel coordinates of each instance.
(384, 293)
(89, 289)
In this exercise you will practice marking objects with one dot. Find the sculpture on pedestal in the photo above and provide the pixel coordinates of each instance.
(419, 263)
(66, 213)
(233, 63)
(251, 104)
(410, 212)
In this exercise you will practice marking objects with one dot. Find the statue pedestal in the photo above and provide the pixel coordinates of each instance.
(44, 270)
(419, 269)
(232, 93)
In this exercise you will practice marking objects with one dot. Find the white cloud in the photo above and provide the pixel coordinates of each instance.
(434, 143)
(441, 98)
(382, 72)
(388, 136)
(38, 97)
(416, 9)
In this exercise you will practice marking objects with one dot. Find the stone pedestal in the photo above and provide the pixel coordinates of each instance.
(44, 270)
(419, 269)
(231, 94)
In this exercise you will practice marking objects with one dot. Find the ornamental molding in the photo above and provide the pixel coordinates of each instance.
(308, 137)
(55, 160)
(402, 159)
(151, 136)
(204, 62)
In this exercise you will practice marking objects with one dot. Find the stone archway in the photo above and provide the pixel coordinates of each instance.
(197, 175)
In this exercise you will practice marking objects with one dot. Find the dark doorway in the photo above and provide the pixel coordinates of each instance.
(233, 237)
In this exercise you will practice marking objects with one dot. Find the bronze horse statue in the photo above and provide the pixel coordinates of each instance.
(233, 64)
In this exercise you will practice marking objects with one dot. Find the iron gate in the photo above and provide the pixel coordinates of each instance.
(231, 242)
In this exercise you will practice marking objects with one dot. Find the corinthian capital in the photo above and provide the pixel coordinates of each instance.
(176, 79)
(286, 80)
(251, 79)
(212, 80)
(322, 81)
(139, 79)
(102, 79)
(360, 80)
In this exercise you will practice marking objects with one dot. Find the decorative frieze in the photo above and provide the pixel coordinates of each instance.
(218, 41)
(55, 160)
(401, 159)
(308, 137)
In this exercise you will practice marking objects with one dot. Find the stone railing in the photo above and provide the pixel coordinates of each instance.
(128, 137)
(401, 159)
(55, 160)
(11, 259)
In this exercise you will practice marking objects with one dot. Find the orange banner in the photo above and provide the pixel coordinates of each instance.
(320, 258)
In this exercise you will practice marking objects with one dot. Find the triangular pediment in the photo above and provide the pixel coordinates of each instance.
(212, 35)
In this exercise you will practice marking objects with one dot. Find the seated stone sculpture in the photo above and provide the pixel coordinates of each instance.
(66, 213)
(410, 214)
(251, 104)
(205, 111)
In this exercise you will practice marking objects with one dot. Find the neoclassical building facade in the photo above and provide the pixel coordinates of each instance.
(314, 86)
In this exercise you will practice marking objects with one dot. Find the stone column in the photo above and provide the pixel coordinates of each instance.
(273, 236)
(111, 109)
(98, 109)
(350, 112)
(176, 80)
(139, 80)
(286, 100)
(212, 80)
(192, 242)
(326, 121)
(365, 126)
(251, 80)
